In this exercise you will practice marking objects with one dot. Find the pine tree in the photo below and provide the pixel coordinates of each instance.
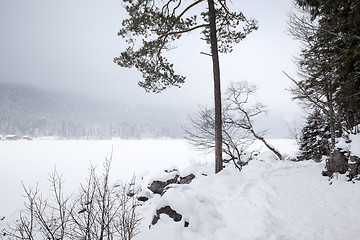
(329, 65)
(159, 23)
(332, 53)
(315, 135)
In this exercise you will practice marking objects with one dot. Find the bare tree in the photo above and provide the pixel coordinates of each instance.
(237, 129)
(83, 210)
(241, 115)
(323, 81)
(295, 131)
(103, 210)
(201, 135)
(126, 225)
(100, 211)
(43, 217)
(318, 67)
(25, 224)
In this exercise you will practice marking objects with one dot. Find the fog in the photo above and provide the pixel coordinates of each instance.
(68, 46)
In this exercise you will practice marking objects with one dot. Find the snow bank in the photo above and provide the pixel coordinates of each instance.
(349, 143)
(355, 144)
(269, 199)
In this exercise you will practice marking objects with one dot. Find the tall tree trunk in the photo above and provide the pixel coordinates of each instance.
(217, 89)
(331, 115)
(337, 162)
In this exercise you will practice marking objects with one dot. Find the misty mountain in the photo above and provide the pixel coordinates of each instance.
(25, 101)
(25, 110)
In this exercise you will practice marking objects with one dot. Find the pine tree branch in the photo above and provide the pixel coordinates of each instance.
(184, 31)
(180, 16)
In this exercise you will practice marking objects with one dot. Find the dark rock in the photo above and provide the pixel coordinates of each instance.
(143, 198)
(354, 167)
(187, 179)
(169, 211)
(159, 186)
(326, 174)
(300, 158)
(186, 224)
(337, 162)
(354, 159)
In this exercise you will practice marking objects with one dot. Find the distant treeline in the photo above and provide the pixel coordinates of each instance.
(66, 129)
(26, 111)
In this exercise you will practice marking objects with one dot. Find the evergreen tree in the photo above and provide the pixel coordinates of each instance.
(159, 23)
(332, 53)
(315, 135)
(329, 65)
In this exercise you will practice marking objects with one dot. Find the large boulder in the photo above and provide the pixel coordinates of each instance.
(337, 162)
(158, 186)
(187, 179)
(168, 211)
(172, 177)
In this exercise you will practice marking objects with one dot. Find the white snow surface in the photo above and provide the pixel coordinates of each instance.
(268, 200)
(30, 162)
(355, 144)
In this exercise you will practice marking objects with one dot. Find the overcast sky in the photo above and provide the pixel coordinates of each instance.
(69, 45)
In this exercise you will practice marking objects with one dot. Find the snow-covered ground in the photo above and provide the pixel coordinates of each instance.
(269, 199)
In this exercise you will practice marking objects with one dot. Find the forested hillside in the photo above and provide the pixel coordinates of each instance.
(25, 110)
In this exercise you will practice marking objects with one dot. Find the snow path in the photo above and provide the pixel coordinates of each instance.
(296, 203)
(268, 200)
(312, 209)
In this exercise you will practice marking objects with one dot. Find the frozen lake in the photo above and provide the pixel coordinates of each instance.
(30, 162)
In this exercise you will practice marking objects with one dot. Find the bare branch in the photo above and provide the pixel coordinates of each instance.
(310, 97)
(99, 212)
(238, 131)
(207, 54)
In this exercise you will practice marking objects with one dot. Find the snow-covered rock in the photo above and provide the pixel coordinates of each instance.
(160, 183)
(348, 152)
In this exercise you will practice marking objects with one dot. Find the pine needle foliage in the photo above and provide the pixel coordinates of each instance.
(152, 26)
